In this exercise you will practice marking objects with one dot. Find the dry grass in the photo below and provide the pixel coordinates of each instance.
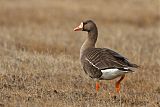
(39, 52)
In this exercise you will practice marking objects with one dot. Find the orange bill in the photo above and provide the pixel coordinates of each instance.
(79, 28)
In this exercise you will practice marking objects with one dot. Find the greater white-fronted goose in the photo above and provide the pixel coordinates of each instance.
(101, 63)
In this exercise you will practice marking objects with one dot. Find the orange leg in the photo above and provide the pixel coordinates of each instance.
(97, 86)
(118, 83)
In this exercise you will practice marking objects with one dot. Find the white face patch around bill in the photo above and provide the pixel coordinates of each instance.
(79, 28)
(81, 25)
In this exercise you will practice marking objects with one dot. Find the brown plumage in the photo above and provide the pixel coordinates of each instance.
(101, 63)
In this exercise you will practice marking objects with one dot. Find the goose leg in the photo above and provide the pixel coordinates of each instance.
(97, 86)
(118, 83)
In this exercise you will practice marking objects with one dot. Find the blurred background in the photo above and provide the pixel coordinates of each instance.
(39, 51)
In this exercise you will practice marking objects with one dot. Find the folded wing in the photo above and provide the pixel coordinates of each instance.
(103, 58)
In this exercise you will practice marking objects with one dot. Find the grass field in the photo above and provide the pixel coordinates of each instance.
(39, 52)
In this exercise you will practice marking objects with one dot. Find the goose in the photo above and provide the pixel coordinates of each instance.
(101, 63)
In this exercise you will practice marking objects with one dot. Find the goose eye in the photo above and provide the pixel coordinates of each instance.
(84, 23)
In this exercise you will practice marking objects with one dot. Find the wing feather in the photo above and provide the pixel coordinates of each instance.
(103, 58)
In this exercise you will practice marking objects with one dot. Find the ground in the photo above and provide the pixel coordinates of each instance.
(39, 52)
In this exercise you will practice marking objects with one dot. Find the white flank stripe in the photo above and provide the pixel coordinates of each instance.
(109, 74)
(126, 68)
(109, 70)
(91, 63)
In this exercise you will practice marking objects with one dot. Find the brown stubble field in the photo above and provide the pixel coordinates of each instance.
(39, 52)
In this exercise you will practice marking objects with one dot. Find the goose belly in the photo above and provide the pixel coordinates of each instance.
(109, 74)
